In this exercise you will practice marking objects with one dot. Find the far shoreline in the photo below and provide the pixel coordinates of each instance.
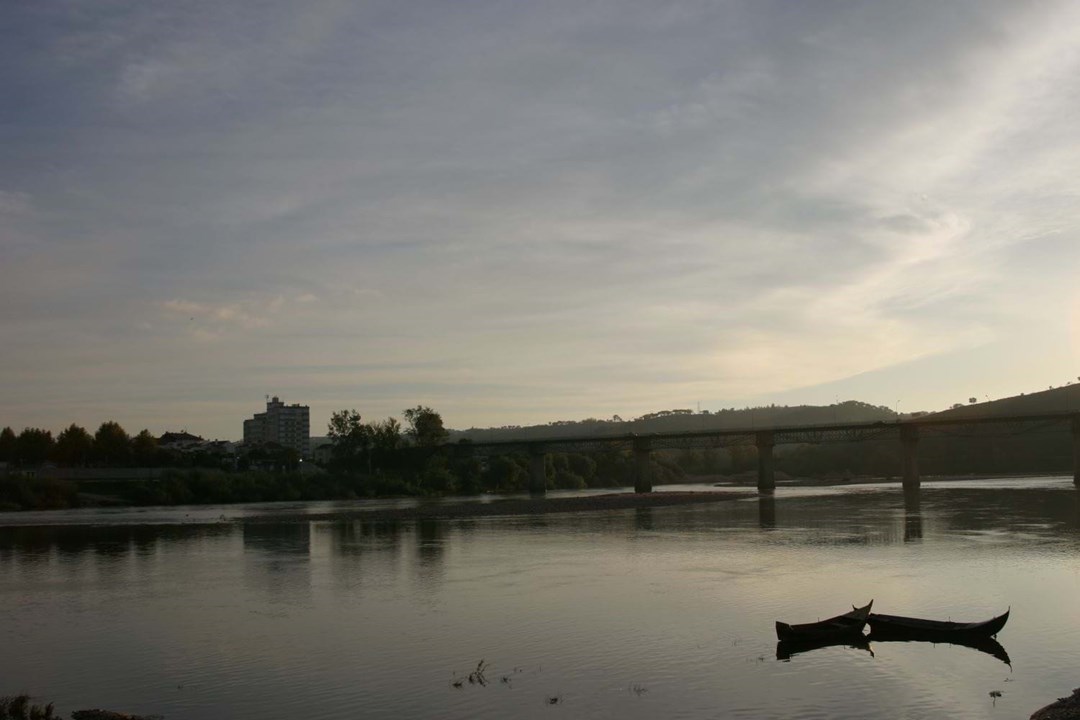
(713, 488)
(516, 506)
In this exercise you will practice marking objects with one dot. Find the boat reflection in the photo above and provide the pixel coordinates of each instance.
(787, 649)
(987, 645)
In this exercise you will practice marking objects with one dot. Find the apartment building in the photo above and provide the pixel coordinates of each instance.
(286, 425)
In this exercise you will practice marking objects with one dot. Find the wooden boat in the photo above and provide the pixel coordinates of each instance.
(919, 629)
(841, 626)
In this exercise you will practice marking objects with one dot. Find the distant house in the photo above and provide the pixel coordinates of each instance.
(182, 442)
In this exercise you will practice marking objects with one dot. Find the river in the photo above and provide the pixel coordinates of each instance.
(224, 612)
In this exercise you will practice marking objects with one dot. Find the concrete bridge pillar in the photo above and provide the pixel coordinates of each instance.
(1076, 449)
(642, 465)
(766, 479)
(537, 470)
(909, 439)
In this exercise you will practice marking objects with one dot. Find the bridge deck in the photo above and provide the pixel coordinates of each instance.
(771, 435)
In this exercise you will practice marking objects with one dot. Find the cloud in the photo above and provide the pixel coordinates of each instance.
(15, 204)
(574, 206)
(251, 313)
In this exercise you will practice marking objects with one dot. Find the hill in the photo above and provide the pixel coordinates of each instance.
(682, 420)
(1053, 400)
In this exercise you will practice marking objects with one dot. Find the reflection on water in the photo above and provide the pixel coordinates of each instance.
(339, 618)
(785, 650)
(989, 646)
(767, 511)
(430, 553)
(274, 539)
(643, 518)
(277, 561)
(912, 514)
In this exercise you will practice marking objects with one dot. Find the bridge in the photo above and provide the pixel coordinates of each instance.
(907, 433)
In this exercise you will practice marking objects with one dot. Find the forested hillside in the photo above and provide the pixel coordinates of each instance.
(682, 420)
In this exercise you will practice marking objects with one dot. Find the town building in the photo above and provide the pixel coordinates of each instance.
(286, 425)
(181, 442)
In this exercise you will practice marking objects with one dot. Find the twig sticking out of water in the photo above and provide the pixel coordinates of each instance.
(476, 677)
(994, 695)
(509, 679)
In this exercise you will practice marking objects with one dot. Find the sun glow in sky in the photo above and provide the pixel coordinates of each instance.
(523, 212)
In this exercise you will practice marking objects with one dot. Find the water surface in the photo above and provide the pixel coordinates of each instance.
(667, 612)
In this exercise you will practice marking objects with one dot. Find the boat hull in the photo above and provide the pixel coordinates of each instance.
(919, 629)
(842, 626)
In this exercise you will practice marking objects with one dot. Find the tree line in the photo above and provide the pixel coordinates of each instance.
(109, 446)
(386, 458)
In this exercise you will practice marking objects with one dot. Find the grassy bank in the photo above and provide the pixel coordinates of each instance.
(37, 494)
(22, 707)
(196, 487)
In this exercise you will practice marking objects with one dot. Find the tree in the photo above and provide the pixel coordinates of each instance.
(286, 459)
(112, 446)
(436, 478)
(504, 475)
(74, 446)
(8, 445)
(350, 437)
(33, 446)
(425, 426)
(386, 435)
(385, 440)
(144, 448)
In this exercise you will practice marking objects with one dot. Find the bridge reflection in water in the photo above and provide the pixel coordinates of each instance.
(907, 432)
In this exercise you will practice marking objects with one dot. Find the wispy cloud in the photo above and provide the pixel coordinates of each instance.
(526, 211)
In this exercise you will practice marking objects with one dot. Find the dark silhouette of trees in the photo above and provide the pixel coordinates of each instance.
(386, 435)
(385, 442)
(425, 426)
(33, 446)
(503, 474)
(74, 446)
(144, 449)
(112, 446)
(8, 445)
(351, 440)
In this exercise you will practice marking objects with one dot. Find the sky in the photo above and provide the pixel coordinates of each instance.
(516, 213)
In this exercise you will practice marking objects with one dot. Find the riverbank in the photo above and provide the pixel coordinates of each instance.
(22, 707)
(1063, 709)
(749, 479)
(19, 707)
(514, 506)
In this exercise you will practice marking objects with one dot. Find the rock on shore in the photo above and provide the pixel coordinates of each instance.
(1064, 709)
